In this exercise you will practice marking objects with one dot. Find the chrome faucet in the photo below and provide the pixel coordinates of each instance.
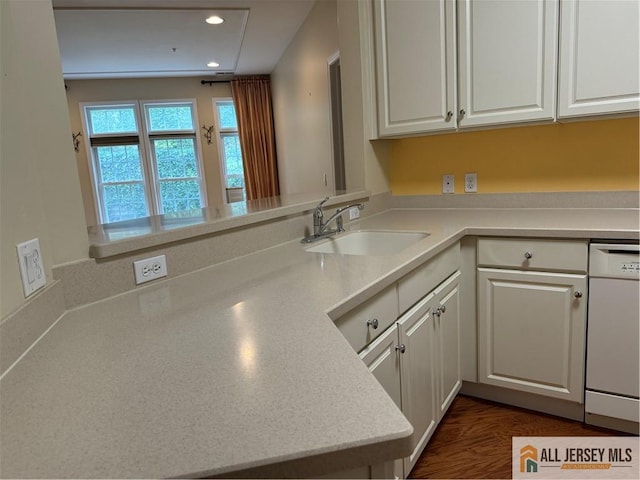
(320, 226)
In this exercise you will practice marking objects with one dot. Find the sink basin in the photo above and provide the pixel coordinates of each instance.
(368, 242)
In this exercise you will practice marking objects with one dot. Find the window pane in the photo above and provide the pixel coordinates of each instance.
(119, 163)
(124, 202)
(170, 117)
(227, 114)
(233, 160)
(179, 195)
(176, 157)
(105, 120)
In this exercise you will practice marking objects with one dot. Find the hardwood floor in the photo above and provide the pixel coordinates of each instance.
(474, 439)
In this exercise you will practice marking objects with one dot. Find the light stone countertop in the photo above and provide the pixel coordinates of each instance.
(237, 366)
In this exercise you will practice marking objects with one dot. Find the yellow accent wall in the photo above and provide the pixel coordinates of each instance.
(600, 155)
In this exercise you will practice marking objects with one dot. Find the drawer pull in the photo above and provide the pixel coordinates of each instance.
(577, 294)
(401, 348)
(528, 255)
(443, 308)
(373, 323)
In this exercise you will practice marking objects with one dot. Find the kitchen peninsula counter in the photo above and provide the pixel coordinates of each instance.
(239, 366)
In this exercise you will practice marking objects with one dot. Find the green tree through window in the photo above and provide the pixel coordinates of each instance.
(230, 150)
(154, 168)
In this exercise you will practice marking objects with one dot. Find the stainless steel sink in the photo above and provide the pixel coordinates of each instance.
(368, 242)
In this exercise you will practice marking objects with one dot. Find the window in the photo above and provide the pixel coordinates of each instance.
(230, 152)
(145, 158)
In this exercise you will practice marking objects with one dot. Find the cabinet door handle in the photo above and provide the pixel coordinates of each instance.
(449, 116)
(401, 348)
(443, 308)
(528, 255)
(373, 323)
(577, 294)
(462, 113)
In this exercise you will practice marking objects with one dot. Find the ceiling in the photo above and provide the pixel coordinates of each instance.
(169, 38)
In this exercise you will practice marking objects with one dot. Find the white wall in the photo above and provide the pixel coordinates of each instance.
(39, 189)
(301, 104)
(300, 86)
(367, 163)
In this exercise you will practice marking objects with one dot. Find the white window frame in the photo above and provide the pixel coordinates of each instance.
(150, 177)
(182, 133)
(221, 153)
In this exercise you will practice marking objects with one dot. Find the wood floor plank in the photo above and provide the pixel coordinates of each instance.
(474, 439)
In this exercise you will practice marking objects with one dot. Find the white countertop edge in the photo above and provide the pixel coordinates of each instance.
(314, 463)
(394, 275)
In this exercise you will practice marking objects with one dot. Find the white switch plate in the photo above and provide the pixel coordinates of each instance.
(150, 269)
(31, 266)
(448, 184)
(354, 212)
(470, 182)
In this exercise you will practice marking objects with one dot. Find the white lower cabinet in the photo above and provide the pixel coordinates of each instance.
(418, 369)
(417, 361)
(532, 324)
(532, 331)
(447, 323)
(383, 361)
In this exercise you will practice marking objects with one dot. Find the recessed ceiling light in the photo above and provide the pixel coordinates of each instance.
(213, 64)
(214, 20)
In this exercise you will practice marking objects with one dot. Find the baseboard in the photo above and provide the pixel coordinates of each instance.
(530, 401)
(612, 423)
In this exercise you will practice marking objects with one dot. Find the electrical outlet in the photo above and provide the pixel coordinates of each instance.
(31, 266)
(470, 182)
(150, 269)
(354, 212)
(448, 184)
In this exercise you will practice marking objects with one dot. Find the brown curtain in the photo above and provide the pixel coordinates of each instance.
(252, 99)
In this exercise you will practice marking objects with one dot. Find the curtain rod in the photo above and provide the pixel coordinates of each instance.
(228, 77)
(211, 82)
(220, 78)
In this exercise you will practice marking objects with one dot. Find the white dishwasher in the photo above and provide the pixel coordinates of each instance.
(613, 331)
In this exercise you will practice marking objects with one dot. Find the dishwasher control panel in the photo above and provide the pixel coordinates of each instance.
(610, 260)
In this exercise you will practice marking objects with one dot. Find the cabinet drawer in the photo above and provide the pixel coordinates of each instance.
(533, 254)
(425, 278)
(354, 325)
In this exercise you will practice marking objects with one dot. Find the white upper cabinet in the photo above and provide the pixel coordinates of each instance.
(599, 51)
(443, 65)
(506, 61)
(415, 66)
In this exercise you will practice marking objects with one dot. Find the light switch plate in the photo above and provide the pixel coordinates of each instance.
(31, 266)
(354, 212)
(448, 184)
